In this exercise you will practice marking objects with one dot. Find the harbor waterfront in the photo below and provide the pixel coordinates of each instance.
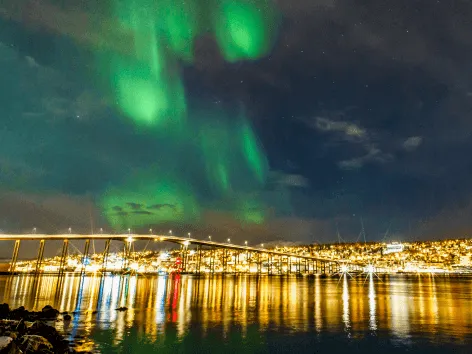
(259, 314)
(185, 255)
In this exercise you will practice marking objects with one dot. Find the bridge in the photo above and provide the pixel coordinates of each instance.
(274, 261)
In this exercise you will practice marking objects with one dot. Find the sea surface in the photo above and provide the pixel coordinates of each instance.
(248, 314)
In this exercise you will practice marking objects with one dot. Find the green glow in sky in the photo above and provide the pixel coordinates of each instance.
(250, 211)
(179, 25)
(244, 28)
(148, 90)
(233, 159)
(149, 198)
(254, 156)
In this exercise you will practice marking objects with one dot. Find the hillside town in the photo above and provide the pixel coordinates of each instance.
(445, 256)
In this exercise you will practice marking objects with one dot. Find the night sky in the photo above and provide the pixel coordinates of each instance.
(317, 116)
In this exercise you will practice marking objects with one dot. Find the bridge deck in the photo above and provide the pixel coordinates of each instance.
(160, 238)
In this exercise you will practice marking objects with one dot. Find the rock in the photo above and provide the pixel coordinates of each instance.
(8, 346)
(49, 312)
(4, 311)
(35, 343)
(19, 313)
(121, 309)
(21, 327)
(67, 317)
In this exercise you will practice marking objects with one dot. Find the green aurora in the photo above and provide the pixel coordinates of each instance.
(149, 91)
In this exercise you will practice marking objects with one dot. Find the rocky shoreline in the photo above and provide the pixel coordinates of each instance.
(28, 332)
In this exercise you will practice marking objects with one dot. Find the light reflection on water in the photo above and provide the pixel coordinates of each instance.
(252, 313)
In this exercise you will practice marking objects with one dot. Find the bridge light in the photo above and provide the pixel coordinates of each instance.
(245, 242)
(188, 235)
(70, 229)
(369, 269)
(34, 230)
(129, 231)
(150, 231)
(262, 245)
(186, 243)
(170, 232)
(229, 240)
(101, 230)
(129, 239)
(209, 237)
(192, 252)
(344, 268)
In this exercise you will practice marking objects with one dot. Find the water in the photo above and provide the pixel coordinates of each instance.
(233, 314)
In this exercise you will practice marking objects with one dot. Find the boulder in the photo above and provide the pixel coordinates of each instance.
(49, 312)
(8, 346)
(19, 313)
(4, 311)
(34, 344)
(49, 333)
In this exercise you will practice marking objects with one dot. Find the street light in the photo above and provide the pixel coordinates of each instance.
(34, 230)
(209, 237)
(101, 230)
(129, 239)
(262, 245)
(129, 231)
(188, 235)
(150, 231)
(229, 240)
(245, 242)
(70, 230)
(170, 232)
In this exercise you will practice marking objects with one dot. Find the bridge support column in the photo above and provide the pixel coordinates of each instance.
(259, 264)
(212, 261)
(199, 264)
(14, 257)
(105, 255)
(85, 255)
(65, 248)
(39, 260)
(248, 263)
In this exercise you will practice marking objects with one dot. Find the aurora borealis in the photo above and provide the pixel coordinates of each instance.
(148, 90)
(269, 119)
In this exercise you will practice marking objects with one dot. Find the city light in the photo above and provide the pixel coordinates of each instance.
(344, 268)
(129, 239)
(164, 256)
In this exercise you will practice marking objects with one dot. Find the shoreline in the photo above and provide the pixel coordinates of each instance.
(203, 275)
(29, 331)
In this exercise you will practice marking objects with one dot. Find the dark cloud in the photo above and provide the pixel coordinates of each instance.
(159, 206)
(134, 205)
